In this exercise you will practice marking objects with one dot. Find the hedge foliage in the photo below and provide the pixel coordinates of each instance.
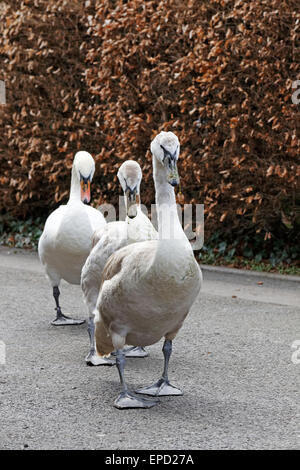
(106, 76)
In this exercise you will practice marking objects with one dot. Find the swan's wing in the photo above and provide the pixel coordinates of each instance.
(96, 218)
(144, 295)
(109, 239)
(130, 262)
(50, 231)
(120, 291)
(97, 235)
(67, 240)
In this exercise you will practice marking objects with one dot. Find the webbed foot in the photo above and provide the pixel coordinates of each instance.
(161, 388)
(129, 400)
(92, 359)
(136, 351)
(63, 320)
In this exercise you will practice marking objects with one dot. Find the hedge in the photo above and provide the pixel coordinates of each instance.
(106, 76)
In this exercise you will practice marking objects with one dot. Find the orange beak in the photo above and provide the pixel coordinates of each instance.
(85, 191)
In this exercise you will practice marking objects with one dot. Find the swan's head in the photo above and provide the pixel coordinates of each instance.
(84, 166)
(165, 148)
(130, 176)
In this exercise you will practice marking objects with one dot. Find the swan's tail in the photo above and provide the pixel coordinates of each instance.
(104, 344)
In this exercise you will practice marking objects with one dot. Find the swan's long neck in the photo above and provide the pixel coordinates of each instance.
(137, 202)
(169, 226)
(75, 187)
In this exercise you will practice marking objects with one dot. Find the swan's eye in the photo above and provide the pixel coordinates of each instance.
(84, 179)
(130, 192)
(169, 156)
(85, 184)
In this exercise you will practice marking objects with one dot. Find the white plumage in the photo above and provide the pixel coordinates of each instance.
(148, 288)
(111, 238)
(67, 237)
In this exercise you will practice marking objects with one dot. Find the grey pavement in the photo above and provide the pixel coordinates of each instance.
(232, 358)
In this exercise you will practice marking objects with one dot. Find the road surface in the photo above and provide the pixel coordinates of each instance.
(236, 360)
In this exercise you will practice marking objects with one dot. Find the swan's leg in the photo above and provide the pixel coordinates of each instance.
(128, 399)
(92, 359)
(162, 386)
(136, 351)
(62, 319)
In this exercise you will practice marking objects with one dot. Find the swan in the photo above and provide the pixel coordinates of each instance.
(137, 227)
(67, 236)
(149, 287)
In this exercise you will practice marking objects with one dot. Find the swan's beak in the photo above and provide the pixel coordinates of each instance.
(172, 173)
(131, 202)
(85, 184)
(170, 163)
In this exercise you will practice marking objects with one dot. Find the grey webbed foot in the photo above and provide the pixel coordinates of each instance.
(162, 387)
(136, 351)
(92, 359)
(159, 389)
(63, 320)
(128, 399)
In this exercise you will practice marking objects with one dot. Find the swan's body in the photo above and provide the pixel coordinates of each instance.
(148, 288)
(109, 239)
(67, 237)
(67, 240)
(151, 293)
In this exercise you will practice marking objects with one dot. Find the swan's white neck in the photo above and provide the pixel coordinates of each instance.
(169, 226)
(75, 187)
(138, 209)
(137, 203)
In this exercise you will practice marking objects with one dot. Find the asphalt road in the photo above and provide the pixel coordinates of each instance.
(232, 358)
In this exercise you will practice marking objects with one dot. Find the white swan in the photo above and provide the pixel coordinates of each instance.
(67, 237)
(137, 227)
(149, 287)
